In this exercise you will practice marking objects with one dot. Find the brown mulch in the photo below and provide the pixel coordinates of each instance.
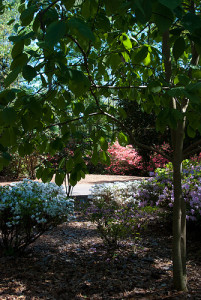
(71, 262)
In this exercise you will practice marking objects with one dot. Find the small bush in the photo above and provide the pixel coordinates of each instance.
(117, 216)
(158, 190)
(27, 210)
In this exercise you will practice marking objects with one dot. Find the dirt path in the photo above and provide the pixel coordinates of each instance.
(96, 179)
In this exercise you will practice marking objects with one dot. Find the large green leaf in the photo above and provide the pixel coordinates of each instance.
(19, 61)
(141, 55)
(126, 41)
(29, 73)
(172, 4)
(9, 115)
(89, 8)
(55, 32)
(17, 49)
(12, 76)
(82, 28)
(59, 178)
(163, 17)
(27, 15)
(179, 47)
(123, 139)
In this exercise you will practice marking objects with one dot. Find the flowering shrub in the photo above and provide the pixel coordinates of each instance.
(157, 160)
(113, 209)
(28, 209)
(124, 160)
(158, 190)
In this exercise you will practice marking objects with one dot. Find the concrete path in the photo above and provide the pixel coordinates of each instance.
(82, 190)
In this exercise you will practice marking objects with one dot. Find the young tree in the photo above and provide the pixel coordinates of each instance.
(147, 51)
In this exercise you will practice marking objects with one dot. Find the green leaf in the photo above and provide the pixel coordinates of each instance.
(172, 4)
(126, 56)
(8, 138)
(17, 49)
(141, 55)
(27, 15)
(29, 73)
(82, 28)
(12, 76)
(69, 165)
(179, 47)
(155, 87)
(19, 61)
(163, 17)
(125, 41)
(191, 22)
(89, 8)
(9, 115)
(55, 32)
(123, 139)
(25, 149)
(191, 132)
(78, 83)
(47, 175)
(103, 143)
(59, 178)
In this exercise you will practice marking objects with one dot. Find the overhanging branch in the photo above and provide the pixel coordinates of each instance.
(73, 120)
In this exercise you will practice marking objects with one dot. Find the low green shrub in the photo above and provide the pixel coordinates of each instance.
(116, 215)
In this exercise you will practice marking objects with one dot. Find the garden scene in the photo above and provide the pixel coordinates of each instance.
(100, 149)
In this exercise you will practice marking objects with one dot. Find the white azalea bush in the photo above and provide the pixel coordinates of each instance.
(115, 212)
(28, 209)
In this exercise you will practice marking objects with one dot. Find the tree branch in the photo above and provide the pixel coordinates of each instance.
(133, 140)
(73, 120)
(191, 149)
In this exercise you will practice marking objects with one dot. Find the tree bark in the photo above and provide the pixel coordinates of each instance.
(179, 215)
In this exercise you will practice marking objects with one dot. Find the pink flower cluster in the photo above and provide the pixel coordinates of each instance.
(127, 161)
(124, 160)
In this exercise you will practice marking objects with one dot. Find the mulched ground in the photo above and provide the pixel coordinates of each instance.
(71, 262)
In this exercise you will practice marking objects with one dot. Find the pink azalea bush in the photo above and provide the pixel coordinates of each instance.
(127, 161)
(124, 160)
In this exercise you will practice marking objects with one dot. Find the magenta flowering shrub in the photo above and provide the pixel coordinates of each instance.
(158, 190)
(157, 160)
(124, 160)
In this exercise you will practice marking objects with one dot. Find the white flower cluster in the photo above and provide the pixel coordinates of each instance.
(39, 201)
(120, 192)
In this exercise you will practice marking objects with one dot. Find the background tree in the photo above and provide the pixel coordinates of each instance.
(142, 50)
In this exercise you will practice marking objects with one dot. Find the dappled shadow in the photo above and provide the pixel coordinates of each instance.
(71, 262)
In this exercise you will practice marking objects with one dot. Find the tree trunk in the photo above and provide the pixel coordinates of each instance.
(179, 217)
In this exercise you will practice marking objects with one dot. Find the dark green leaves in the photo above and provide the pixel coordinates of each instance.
(78, 26)
(172, 4)
(8, 116)
(29, 73)
(89, 8)
(17, 49)
(179, 47)
(59, 178)
(27, 15)
(19, 61)
(55, 32)
(12, 76)
(163, 17)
